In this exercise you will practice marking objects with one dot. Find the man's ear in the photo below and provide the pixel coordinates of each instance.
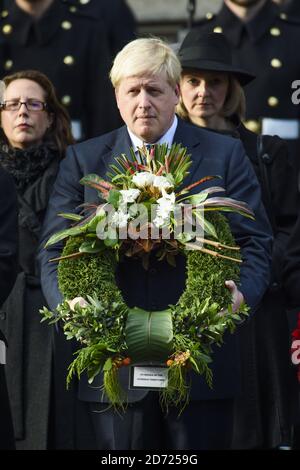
(177, 92)
(116, 95)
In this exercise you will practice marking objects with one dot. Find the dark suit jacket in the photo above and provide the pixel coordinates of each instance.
(161, 285)
(8, 272)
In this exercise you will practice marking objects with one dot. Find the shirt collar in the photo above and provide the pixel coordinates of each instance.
(167, 138)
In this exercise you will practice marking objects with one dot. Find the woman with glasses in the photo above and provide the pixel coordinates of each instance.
(212, 96)
(35, 131)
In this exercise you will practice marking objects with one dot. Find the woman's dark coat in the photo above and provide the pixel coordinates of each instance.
(8, 272)
(29, 358)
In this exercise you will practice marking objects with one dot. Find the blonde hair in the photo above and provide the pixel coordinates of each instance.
(234, 105)
(146, 56)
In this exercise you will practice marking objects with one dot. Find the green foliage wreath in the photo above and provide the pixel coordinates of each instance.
(110, 334)
(101, 326)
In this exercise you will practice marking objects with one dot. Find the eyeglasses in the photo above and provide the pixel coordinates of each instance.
(31, 105)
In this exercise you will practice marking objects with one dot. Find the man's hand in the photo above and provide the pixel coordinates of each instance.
(237, 296)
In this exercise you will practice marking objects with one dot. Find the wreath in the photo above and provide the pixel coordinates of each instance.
(112, 335)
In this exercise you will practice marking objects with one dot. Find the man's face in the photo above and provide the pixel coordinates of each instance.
(147, 105)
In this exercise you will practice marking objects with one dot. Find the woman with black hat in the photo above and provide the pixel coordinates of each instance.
(212, 96)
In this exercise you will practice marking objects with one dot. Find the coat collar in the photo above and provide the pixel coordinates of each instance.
(42, 30)
(233, 27)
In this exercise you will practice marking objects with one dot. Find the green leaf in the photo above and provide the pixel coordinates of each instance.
(149, 335)
(92, 225)
(208, 227)
(113, 198)
(108, 364)
(198, 198)
(70, 216)
(91, 247)
(62, 234)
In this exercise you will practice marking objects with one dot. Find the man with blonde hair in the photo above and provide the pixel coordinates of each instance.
(145, 75)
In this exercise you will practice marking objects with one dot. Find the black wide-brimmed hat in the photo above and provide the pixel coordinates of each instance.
(210, 51)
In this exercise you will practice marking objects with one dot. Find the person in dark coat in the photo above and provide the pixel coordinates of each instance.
(71, 49)
(212, 97)
(145, 75)
(35, 130)
(8, 273)
(116, 16)
(263, 38)
(291, 279)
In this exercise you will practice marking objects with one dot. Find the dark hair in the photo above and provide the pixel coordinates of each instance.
(59, 132)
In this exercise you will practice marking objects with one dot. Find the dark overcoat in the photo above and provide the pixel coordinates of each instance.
(265, 412)
(8, 272)
(29, 356)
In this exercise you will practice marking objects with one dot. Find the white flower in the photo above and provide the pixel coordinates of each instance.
(166, 204)
(77, 300)
(129, 195)
(159, 221)
(142, 179)
(167, 200)
(119, 219)
(161, 182)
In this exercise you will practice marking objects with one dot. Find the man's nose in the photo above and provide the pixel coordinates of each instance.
(144, 101)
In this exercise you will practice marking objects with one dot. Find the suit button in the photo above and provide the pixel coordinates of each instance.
(7, 29)
(66, 25)
(252, 125)
(273, 101)
(66, 100)
(275, 32)
(69, 60)
(218, 29)
(276, 63)
(8, 64)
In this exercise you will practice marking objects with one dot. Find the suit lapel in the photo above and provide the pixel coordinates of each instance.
(121, 145)
(189, 136)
